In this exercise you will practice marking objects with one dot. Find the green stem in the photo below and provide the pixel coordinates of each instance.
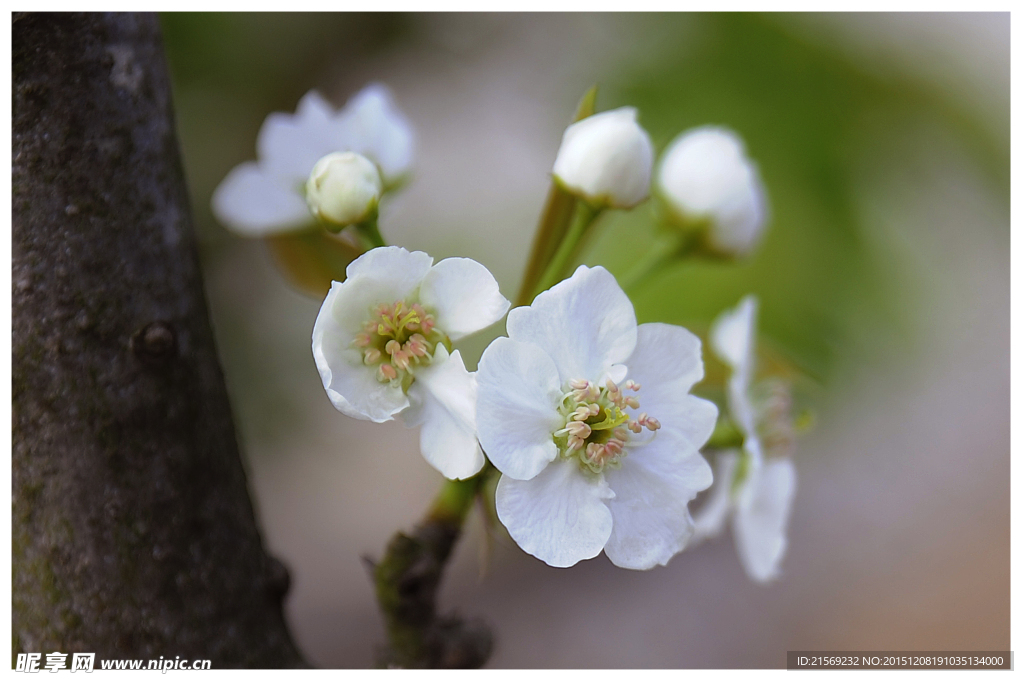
(371, 233)
(554, 220)
(456, 497)
(666, 249)
(556, 270)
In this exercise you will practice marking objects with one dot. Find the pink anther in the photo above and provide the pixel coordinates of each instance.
(578, 429)
(583, 412)
(417, 345)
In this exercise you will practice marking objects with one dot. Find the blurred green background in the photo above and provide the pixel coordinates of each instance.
(883, 141)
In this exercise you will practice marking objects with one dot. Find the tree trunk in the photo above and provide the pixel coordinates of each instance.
(133, 533)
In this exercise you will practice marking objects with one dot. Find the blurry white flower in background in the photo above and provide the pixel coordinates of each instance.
(382, 343)
(606, 159)
(707, 182)
(375, 128)
(756, 492)
(589, 419)
(265, 197)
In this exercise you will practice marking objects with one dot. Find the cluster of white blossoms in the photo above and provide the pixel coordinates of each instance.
(587, 416)
(757, 493)
(318, 163)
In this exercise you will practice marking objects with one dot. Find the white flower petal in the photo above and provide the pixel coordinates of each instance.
(689, 417)
(392, 263)
(375, 127)
(759, 525)
(732, 335)
(585, 323)
(666, 360)
(558, 516)
(289, 145)
(709, 520)
(351, 386)
(366, 288)
(732, 338)
(652, 488)
(666, 363)
(463, 295)
(351, 306)
(381, 275)
(313, 108)
(443, 402)
(754, 450)
(253, 203)
(517, 407)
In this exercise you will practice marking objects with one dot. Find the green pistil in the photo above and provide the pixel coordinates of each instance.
(398, 330)
(411, 318)
(613, 419)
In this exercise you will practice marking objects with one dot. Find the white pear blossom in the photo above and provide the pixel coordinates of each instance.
(705, 177)
(266, 197)
(589, 420)
(343, 189)
(382, 343)
(606, 159)
(756, 492)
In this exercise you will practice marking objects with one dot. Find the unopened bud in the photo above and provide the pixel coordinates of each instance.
(343, 189)
(606, 159)
(707, 181)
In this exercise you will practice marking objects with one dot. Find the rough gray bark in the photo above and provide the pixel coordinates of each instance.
(133, 533)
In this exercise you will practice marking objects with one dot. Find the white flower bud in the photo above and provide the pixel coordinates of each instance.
(706, 178)
(343, 188)
(606, 159)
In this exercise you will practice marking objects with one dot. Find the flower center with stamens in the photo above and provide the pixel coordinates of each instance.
(597, 426)
(773, 407)
(397, 339)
